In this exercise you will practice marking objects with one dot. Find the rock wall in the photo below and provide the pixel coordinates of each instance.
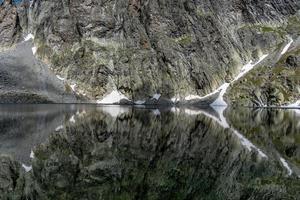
(141, 48)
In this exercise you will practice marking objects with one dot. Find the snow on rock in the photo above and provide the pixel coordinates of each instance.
(60, 78)
(27, 168)
(293, 105)
(220, 100)
(286, 48)
(248, 67)
(31, 154)
(73, 86)
(223, 89)
(286, 165)
(175, 99)
(72, 119)
(156, 96)
(114, 97)
(29, 37)
(59, 128)
(34, 49)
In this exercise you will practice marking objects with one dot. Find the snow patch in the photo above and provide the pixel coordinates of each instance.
(60, 78)
(286, 48)
(114, 97)
(31, 155)
(220, 100)
(156, 96)
(29, 37)
(27, 168)
(59, 128)
(293, 105)
(223, 89)
(286, 165)
(34, 49)
(72, 119)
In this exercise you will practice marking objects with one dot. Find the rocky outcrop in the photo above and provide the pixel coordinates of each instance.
(10, 28)
(141, 48)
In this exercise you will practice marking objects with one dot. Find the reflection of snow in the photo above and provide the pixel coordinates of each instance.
(27, 168)
(140, 102)
(156, 112)
(115, 111)
(114, 97)
(286, 165)
(223, 122)
(286, 48)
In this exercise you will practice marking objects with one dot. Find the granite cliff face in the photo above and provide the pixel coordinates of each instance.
(141, 48)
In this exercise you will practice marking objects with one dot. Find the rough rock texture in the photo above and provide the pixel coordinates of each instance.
(141, 48)
(24, 79)
(147, 47)
(10, 29)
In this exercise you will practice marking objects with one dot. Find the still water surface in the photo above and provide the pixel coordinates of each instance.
(112, 152)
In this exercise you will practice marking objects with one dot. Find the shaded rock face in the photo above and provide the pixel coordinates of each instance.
(147, 47)
(293, 61)
(25, 79)
(10, 29)
(140, 155)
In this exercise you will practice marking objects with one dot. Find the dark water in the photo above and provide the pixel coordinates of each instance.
(111, 152)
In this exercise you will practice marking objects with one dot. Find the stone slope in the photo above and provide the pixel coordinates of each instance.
(142, 48)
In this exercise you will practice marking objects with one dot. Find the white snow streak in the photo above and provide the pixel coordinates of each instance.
(60, 78)
(114, 97)
(286, 48)
(27, 168)
(34, 49)
(286, 165)
(223, 122)
(31, 154)
(223, 89)
(29, 37)
(59, 128)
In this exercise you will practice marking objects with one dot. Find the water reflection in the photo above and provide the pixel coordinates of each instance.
(111, 152)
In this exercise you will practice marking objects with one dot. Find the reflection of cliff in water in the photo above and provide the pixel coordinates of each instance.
(24, 126)
(127, 153)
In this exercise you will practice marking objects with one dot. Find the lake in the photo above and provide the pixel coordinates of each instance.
(124, 152)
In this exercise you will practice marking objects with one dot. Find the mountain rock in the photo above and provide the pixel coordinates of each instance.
(142, 48)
